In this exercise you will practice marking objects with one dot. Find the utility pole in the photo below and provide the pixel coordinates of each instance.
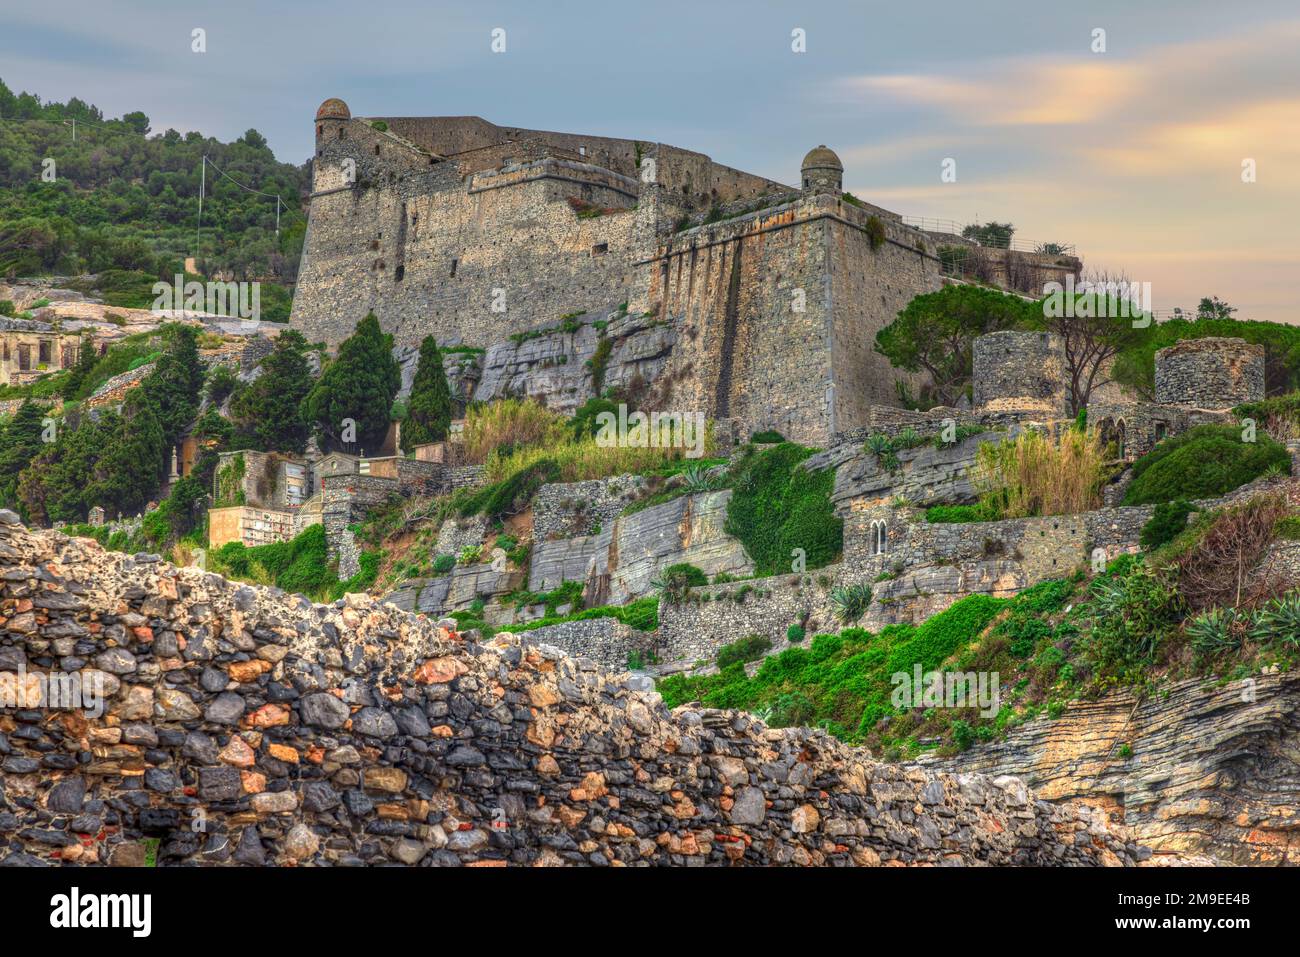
(203, 182)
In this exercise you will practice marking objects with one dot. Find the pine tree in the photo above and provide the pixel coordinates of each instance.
(269, 411)
(174, 385)
(429, 407)
(20, 443)
(359, 385)
(128, 472)
(86, 359)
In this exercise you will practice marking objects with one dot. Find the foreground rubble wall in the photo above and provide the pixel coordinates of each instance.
(242, 725)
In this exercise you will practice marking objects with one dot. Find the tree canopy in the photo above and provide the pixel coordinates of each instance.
(933, 334)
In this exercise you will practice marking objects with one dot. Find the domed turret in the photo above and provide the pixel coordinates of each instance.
(822, 171)
(334, 109)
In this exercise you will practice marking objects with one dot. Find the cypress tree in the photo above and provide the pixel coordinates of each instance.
(20, 444)
(359, 385)
(429, 408)
(173, 386)
(270, 409)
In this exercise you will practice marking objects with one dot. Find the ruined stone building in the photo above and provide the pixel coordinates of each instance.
(721, 292)
(30, 349)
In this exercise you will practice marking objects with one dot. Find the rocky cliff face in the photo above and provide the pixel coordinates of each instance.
(241, 725)
(1207, 771)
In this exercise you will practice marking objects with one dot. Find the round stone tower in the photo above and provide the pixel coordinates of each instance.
(1018, 370)
(823, 172)
(331, 114)
(1211, 373)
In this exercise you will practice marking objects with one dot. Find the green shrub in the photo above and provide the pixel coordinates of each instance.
(1288, 528)
(937, 514)
(1166, 523)
(697, 478)
(300, 565)
(1204, 462)
(470, 554)
(1130, 616)
(794, 634)
(750, 648)
(675, 582)
(443, 564)
(512, 494)
(767, 437)
(1279, 620)
(642, 614)
(777, 506)
(875, 230)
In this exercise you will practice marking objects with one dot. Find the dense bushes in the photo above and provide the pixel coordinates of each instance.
(937, 514)
(675, 582)
(840, 682)
(778, 506)
(1167, 522)
(1131, 613)
(750, 648)
(300, 565)
(513, 493)
(1203, 462)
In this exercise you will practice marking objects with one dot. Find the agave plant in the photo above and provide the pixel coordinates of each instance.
(1279, 621)
(1217, 630)
(850, 602)
(879, 443)
(909, 438)
(698, 478)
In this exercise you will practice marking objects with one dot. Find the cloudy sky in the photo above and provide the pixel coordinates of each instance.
(1133, 154)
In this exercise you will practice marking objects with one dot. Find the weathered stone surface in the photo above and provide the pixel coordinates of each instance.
(637, 546)
(1208, 777)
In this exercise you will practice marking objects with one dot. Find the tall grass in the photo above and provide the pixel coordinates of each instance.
(511, 435)
(582, 459)
(508, 424)
(1035, 475)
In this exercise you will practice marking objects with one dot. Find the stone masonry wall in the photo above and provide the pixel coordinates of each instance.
(245, 726)
(1025, 369)
(568, 509)
(1211, 373)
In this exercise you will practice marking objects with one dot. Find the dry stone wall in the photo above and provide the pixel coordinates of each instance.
(244, 726)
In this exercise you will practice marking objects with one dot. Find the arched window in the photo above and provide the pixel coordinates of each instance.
(879, 536)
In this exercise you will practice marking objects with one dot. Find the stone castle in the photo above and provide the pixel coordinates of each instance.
(719, 291)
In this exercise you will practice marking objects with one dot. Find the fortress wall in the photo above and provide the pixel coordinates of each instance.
(687, 174)
(869, 287)
(733, 287)
(516, 232)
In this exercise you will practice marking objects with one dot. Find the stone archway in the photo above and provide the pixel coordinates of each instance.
(1114, 430)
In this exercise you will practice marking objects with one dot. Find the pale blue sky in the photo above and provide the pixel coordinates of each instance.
(1133, 154)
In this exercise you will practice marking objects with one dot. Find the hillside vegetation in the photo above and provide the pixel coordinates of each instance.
(126, 198)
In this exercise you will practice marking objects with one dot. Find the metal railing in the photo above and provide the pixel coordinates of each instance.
(954, 228)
